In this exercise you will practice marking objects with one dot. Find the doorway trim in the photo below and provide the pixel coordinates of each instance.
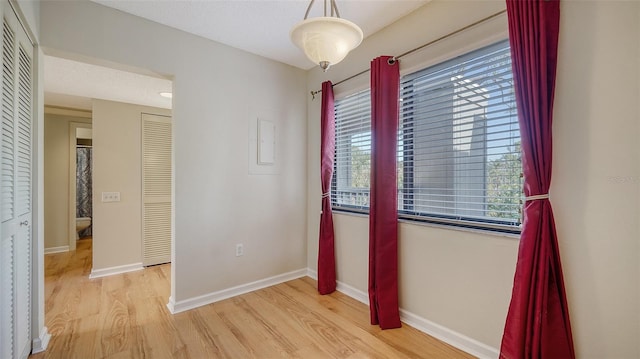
(73, 126)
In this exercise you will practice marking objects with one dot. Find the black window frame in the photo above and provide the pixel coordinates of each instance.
(408, 144)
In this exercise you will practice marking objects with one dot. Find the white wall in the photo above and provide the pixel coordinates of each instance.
(596, 174)
(457, 279)
(462, 280)
(56, 177)
(218, 92)
(117, 167)
(30, 9)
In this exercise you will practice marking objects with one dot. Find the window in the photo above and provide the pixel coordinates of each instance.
(352, 162)
(458, 144)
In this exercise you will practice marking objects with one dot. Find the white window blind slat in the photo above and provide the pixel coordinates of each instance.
(458, 144)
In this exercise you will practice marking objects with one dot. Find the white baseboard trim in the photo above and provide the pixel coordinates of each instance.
(313, 274)
(453, 338)
(171, 305)
(97, 273)
(344, 288)
(191, 303)
(353, 292)
(60, 249)
(40, 343)
(449, 336)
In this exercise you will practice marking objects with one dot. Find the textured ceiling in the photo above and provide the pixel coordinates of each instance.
(256, 26)
(73, 84)
(261, 26)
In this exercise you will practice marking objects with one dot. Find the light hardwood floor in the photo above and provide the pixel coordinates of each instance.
(125, 316)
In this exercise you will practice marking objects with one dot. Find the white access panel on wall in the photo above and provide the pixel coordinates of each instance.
(16, 112)
(156, 189)
(266, 142)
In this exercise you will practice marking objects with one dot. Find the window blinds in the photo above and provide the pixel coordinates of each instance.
(458, 144)
(460, 140)
(352, 162)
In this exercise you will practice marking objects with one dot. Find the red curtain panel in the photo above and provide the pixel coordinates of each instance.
(537, 324)
(326, 250)
(383, 201)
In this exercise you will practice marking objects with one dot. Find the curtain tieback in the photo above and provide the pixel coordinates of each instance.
(325, 195)
(536, 197)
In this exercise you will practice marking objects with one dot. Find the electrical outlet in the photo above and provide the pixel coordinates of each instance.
(239, 250)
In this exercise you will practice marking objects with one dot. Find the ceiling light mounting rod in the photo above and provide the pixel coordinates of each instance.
(326, 40)
(334, 6)
(334, 9)
(306, 14)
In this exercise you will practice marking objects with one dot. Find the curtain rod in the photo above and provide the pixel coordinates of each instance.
(490, 17)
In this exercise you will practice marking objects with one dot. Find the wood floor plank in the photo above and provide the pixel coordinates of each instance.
(319, 327)
(115, 330)
(157, 330)
(83, 337)
(406, 341)
(198, 338)
(125, 316)
(216, 343)
(362, 339)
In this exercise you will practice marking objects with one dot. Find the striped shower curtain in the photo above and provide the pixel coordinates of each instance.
(83, 186)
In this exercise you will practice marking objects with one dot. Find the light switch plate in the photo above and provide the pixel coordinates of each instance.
(110, 196)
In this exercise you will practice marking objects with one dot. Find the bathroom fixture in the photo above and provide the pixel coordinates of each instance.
(81, 224)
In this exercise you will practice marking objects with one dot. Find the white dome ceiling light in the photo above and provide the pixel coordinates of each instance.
(326, 40)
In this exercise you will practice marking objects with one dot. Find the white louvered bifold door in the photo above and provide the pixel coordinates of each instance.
(15, 188)
(7, 187)
(156, 189)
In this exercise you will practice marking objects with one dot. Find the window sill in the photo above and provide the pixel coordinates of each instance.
(436, 225)
(487, 232)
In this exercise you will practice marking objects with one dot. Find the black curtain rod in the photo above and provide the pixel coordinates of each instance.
(490, 17)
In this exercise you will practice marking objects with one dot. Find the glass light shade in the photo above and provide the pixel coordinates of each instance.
(326, 40)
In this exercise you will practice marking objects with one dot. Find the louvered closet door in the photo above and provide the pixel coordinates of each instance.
(15, 188)
(156, 189)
